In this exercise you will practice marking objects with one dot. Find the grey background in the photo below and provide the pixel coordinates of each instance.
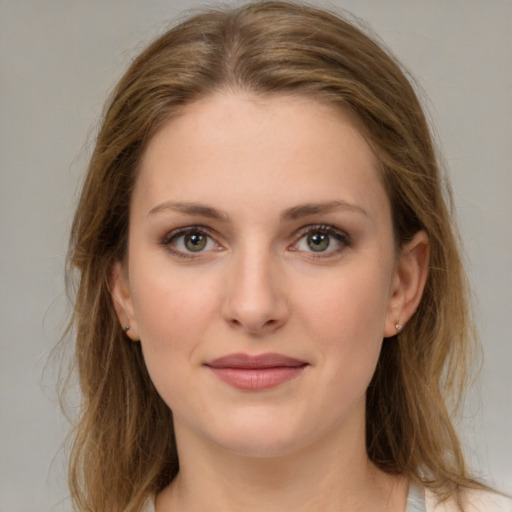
(59, 59)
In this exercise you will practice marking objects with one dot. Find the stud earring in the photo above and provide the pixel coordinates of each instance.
(398, 326)
(127, 328)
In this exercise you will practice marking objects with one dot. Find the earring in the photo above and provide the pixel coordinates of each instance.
(127, 328)
(398, 326)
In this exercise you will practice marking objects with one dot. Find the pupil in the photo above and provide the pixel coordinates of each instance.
(318, 242)
(195, 242)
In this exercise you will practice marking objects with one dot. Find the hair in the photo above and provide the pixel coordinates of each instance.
(124, 447)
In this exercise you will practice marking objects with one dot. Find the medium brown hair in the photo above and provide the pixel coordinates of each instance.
(124, 448)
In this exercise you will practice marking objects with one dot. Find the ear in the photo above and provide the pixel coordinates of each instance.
(408, 282)
(122, 299)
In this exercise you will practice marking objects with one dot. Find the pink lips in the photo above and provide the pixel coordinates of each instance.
(256, 373)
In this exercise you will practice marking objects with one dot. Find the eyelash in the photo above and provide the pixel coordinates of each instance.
(322, 229)
(174, 235)
(341, 237)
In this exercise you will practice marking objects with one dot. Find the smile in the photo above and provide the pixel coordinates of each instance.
(256, 373)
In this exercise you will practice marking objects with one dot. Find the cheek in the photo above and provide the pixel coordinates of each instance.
(172, 314)
(345, 318)
(353, 300)
(171, 306)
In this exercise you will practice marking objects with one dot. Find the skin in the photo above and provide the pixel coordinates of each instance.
(259, 286)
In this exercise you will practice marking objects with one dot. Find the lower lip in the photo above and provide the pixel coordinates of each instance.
(257, 379)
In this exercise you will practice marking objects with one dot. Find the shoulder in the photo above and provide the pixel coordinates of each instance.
(472, 501)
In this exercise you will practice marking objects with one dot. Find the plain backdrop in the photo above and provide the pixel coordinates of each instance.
(58, 61)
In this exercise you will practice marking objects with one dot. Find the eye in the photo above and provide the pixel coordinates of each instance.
(195, 242)
(325, 240)
(318, 242)
(187, 241)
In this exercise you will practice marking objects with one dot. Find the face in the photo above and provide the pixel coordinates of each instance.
(262, 274)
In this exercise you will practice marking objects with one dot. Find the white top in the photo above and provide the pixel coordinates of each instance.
(419, 500)
(415, 499)
(475, 501)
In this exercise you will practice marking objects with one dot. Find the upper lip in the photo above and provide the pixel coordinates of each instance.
(249, 362)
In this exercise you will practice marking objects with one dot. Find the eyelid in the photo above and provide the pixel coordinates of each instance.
(174, 233)
(340, 235)
(179, 232)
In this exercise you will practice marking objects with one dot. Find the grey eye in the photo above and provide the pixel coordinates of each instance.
(190, 240)
(318, 242)
(322, 240)
(195, 242)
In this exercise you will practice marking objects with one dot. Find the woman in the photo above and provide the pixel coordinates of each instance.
(271, 311)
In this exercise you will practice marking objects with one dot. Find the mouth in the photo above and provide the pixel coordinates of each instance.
(256, 373)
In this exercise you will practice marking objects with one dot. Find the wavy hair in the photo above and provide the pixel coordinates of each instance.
(124, 447)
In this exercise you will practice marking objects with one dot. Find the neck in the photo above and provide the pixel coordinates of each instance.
(327, 475)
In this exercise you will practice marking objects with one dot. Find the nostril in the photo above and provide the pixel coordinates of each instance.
(254, 306)
(255, 327)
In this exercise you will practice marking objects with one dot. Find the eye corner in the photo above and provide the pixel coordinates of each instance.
(190, 242)
(341, 238)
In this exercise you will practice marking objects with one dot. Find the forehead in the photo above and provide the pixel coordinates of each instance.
(284, 147)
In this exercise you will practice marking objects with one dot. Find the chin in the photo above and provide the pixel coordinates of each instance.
(263, 439)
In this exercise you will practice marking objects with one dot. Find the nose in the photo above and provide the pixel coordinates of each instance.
(254, 300)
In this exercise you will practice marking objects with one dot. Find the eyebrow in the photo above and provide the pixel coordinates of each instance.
(307, 209)
(198, 209)
(293, 213)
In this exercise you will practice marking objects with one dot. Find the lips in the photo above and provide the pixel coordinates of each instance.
(256, 373)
